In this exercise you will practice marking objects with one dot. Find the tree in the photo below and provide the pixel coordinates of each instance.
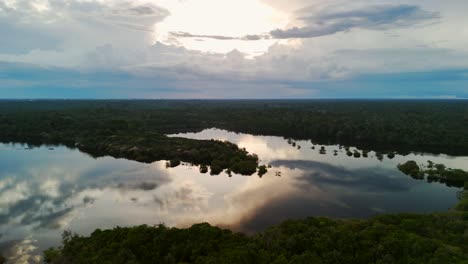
(379, 156)
(322, 150)
(50, 255)
(203, 169)
(173, 163)
(216, 167)
(412, 169)
(262, 170)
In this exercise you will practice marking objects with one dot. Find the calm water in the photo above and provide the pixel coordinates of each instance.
(44, 191)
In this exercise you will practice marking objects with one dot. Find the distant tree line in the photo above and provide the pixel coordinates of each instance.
(437, 126)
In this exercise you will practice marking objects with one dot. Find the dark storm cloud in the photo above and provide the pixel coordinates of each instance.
(372, 17)
(180, 34)
(256, 37)
(329, 22)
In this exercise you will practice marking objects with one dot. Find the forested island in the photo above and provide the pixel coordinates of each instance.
(435, 172)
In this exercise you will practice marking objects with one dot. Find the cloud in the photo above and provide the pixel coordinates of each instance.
(188, 196)
(379, 17)
(175, 72)
(128, 14)
(329, 21)
(331, 191)
(58, 25)
(366, 180)
(106, 49)
(181, 34)
(188, 35)
(23, 251)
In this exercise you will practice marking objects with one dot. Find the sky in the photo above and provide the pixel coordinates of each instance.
(204, 49)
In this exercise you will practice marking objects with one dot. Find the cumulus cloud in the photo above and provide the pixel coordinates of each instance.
(58, 25)
(175, 72)
(108, 49)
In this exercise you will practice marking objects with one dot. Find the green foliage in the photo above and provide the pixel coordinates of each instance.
(262, 170)
(322, 150)
(356, 154)
(402, 238)
(173, 163)
(381, 125)
(122, 129)
(365, 153)
(411, 168)
(216, 167)
(51, 254)
(203, 169)
(379, 156)
(435, 172)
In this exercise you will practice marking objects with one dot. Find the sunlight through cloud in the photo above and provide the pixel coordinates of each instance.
(233, 19)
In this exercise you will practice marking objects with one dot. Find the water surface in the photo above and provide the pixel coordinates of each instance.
(44, 191)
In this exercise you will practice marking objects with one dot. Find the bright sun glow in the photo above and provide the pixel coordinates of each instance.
(220, 17)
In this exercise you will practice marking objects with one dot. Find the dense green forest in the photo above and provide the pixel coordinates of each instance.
(119, 129)
(437, 126)
(402, 238)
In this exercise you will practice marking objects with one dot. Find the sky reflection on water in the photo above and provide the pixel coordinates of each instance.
(43, 192)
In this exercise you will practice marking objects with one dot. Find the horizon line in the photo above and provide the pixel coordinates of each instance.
(234, 99)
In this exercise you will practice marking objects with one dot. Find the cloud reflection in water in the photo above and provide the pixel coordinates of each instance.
(43, 192)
